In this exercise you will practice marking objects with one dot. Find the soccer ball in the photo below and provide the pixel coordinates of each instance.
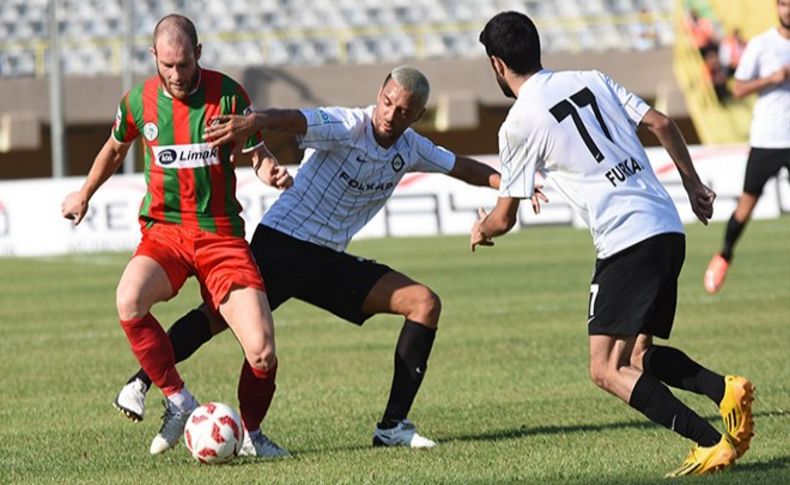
(213, 433)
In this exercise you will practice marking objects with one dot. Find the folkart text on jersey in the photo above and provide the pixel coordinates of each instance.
(365, 186)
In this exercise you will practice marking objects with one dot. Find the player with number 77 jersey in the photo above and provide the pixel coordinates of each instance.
(578, 130)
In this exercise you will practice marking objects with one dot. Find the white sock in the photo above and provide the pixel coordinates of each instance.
(182, 400)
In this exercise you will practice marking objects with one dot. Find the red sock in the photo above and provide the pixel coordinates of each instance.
(153, 350)
(256, 390)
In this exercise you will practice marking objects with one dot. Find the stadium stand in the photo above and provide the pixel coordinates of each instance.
(317, 32)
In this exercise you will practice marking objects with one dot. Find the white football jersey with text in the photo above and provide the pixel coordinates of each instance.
(578, 130)
(346, 177)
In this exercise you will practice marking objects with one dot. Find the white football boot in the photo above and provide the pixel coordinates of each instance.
(173, 422)
(131, 400)
(261, 445)
(404, 434)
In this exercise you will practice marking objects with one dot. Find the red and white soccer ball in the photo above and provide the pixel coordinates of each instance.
(213, 433)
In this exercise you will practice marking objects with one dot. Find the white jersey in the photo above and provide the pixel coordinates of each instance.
(578, 129)
(346, 177)
(764, 55)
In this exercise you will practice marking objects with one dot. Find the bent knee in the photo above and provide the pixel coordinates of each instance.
(129, 303)
(425, 307)
(601, 376)
(264, 360)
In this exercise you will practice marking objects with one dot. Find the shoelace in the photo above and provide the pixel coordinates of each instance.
(263, 441)
(407, 425)
(170, 419)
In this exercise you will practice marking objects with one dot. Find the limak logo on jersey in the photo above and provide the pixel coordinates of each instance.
(186, 156)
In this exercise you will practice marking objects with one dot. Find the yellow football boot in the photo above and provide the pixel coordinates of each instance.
(736, 411)
(702, 460)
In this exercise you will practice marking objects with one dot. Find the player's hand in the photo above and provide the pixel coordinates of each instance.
(781, 75)
(701, 198)
(537, 197)
(280, 178)
(477, 238)
(229, 128)
(74, 207)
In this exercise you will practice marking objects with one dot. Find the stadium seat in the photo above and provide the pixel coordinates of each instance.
(248, 32)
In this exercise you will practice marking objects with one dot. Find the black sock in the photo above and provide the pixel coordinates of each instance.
(186, 335)
(655, 400)
(411, 363)
(731, 235)
(674, 368)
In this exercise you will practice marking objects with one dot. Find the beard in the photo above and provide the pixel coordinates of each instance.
(785, 24)
(187, 88)
(504, 87)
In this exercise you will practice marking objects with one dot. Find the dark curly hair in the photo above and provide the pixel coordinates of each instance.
(513, 37)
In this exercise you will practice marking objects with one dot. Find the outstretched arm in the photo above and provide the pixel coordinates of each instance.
(474, 173)
(668, 134)
(106, 163)
(498, 222)
(227, 128)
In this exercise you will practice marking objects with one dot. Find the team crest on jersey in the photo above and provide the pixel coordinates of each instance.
(150, 131)
(397, 163)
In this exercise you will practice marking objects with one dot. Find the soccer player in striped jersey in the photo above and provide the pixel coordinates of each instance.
(190, 224)
(354, 160)
(578, 130)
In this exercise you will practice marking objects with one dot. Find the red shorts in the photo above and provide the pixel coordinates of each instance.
(218, 262)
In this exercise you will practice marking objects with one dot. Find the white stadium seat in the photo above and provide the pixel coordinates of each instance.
(254, 32)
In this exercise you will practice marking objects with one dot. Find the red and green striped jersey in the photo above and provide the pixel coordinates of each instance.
(187, 182)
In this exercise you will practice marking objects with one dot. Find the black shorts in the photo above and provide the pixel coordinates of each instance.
(764, 163)
(336, 282)
(635, 291)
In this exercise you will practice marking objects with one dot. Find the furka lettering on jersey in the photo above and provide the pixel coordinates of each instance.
(186, 156)
(623, 170)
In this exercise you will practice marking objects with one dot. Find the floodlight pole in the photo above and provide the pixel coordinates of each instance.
(59, 152)
(127, 71)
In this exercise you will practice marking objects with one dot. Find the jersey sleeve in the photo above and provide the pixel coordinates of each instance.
(521, 157)
(329, 127)
(747, 66)
(635, 107)
(124, 129)
(242, 105)
(429, 157)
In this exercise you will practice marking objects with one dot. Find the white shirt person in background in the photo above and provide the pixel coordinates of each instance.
(354, 159)
(578, 129)
(764, 69)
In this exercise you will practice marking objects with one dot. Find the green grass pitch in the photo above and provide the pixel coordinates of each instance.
(507, 394)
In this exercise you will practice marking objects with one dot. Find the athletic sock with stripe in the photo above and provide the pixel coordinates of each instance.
(653, 399)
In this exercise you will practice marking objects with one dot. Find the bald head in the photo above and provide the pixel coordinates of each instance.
(176, 28)
(177, 52)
